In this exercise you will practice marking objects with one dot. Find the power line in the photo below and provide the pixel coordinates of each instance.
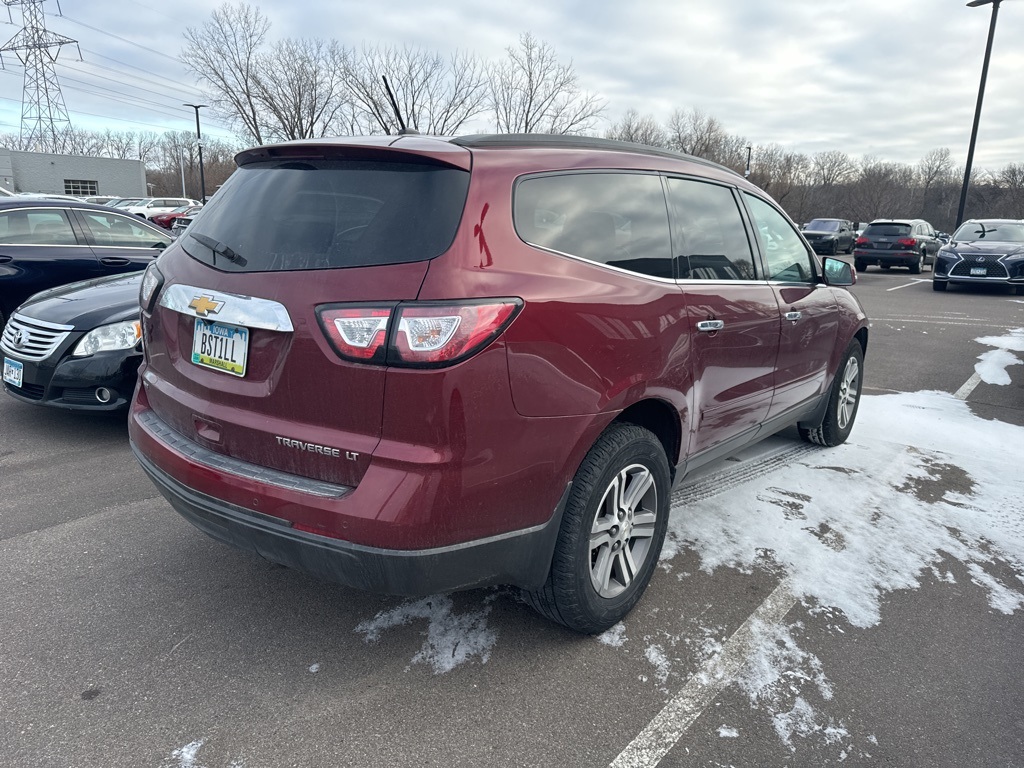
(122, 39)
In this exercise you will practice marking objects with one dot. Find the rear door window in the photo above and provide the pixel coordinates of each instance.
(117, 231)
(618, 219)
(42, 226)
(327, 214)
(711, 240)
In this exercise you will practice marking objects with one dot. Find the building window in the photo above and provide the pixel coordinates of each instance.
(80, 188)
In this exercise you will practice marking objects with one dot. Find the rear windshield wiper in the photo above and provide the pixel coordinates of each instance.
(219, 248)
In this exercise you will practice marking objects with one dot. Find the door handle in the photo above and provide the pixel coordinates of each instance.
(794, 316)
(708, 326)
(112, 261)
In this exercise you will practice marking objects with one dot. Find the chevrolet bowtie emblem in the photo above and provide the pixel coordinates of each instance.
(205, 305)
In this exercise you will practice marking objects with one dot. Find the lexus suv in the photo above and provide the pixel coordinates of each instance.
(982, 252)
(416, 364)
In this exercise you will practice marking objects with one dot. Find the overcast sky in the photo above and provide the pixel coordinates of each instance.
(888, 78)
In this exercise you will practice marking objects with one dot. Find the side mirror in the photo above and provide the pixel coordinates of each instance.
(838, 273)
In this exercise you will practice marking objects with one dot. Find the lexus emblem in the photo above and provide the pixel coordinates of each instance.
(981, 258)
(19, 339)
(205, 305)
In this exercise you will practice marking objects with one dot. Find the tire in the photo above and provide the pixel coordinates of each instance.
(843, 401)
(835, 248)
(1018, 288)
(607, 549)
(917, 266)
(939, 285)
(860, 266)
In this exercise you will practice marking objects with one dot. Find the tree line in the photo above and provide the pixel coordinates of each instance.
(270, 91)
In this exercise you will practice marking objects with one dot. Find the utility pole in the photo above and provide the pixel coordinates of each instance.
(199, 141)
(45, 125)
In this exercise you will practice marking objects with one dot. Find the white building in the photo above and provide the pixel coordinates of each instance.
(71, 174)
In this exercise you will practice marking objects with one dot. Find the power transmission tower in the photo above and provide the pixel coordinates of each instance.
(45, 126)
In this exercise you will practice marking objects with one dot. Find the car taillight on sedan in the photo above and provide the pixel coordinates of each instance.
(862, 241)
(415, 334)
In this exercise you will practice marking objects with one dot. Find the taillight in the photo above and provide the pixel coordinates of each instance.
(862, 241)
(416, 334)
(908, 242)
(357, 333)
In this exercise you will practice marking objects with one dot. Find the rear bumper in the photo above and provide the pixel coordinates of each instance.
(890, 258)
(521, 558)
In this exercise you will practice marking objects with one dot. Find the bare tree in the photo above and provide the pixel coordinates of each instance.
(435, 95)
(641, 130)
(777, 171)
(1011, 179)
(224, 55)
(531, 92)
(299, 87)
(832, 167)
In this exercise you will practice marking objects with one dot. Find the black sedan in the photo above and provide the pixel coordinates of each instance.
(76, 346)
(982, 252)
(46, 243)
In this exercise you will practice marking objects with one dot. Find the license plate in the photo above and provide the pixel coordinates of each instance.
(13, 372)
(978, 271)
(220, 346)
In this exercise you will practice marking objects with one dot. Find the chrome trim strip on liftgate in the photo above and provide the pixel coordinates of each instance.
(232, 308)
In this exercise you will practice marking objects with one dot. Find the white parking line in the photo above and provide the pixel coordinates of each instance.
(914, 281)
(664, 731)
(965, 391)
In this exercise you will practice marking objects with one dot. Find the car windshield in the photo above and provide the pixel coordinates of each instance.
(326, 214)
(1004, 231)
(824, 225)
(887, 230)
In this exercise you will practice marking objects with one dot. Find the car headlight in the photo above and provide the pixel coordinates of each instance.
(107, 338)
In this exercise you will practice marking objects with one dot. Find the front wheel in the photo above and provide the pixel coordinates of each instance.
(612, 531)
(843, 401)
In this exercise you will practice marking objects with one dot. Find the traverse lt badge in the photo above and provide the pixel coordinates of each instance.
(205, 306)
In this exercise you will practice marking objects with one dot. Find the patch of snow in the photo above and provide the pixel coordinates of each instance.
(992, 365)
(662, 666)
(615, 637)
(186, 756)
(1000, 597)
(801, 721)
(726, 732)
(450, 640)
(314, 668)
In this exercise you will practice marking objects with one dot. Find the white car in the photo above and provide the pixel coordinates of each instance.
(152, 206)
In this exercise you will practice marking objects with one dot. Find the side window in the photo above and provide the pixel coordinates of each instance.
(711, 238)
(786, 257)
(619, 219)
(111, 229)
(37, 227)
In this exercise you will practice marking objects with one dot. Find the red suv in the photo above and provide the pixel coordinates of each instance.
(413, 364)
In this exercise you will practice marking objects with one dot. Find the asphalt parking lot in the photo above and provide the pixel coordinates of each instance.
(861, 605)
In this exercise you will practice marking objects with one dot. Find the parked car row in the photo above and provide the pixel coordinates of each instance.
(72, 344)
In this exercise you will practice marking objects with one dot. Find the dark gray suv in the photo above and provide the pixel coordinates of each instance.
(910, 243)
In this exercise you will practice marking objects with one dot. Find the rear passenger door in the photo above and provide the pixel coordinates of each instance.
(732, 313)
(810, 316)
(120, 241)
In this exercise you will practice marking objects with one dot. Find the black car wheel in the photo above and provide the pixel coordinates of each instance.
(612, 531)
(859, 265)
(843, 401)
(918, 265)
(834, 250)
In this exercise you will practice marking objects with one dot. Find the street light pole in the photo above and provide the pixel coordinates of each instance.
(977, 109)
(746, 174)
(199, 141)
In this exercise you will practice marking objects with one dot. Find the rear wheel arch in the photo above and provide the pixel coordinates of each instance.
(661, 419)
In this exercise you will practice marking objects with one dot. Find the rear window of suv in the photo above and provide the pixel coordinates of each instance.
(291, 214)
(887, 230)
